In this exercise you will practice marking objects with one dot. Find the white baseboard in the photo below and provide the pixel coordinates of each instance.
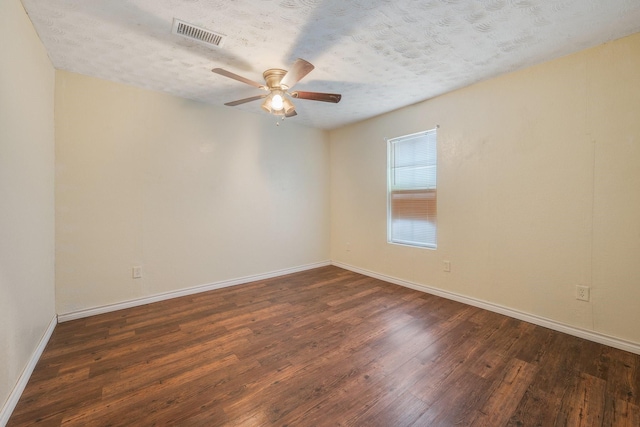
(14, 396)
(496, 308)
(65, 317)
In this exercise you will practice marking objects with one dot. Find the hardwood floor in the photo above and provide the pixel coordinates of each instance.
(326, 347)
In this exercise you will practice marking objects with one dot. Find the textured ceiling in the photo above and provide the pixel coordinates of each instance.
(379, 54)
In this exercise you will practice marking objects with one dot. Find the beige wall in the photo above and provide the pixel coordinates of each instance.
(193, 193)
(26, 193)
(538, 191)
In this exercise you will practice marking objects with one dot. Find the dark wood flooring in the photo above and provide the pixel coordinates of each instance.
(325, 347)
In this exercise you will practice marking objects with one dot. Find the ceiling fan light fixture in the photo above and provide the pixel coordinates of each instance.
(288, 106)
(277, 102)
(266, 105)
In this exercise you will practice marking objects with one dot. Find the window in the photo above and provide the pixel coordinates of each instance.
(411, 191)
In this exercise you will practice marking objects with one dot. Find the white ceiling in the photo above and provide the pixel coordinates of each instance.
(379, 54)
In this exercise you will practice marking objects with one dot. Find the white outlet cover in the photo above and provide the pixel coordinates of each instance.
(582, 293)
(136, 272)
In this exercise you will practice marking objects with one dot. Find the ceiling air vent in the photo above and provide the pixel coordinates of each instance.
(192, 32)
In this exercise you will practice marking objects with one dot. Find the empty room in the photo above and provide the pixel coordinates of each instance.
(320, 213)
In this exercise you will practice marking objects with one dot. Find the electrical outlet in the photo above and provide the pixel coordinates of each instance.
(582, 293)
(447, 266)
(136, 272)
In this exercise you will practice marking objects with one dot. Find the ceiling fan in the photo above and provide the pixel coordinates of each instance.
(278, 84)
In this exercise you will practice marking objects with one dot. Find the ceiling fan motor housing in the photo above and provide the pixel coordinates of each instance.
(273, 77)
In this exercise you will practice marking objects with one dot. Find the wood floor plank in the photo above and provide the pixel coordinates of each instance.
(505, 394)
(584, 405)
(324, 347)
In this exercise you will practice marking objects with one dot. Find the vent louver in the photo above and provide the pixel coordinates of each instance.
(192, 32)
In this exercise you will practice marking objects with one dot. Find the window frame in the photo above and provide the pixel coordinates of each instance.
(429, 191)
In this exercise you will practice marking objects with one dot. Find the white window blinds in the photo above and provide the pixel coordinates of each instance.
(412, 196)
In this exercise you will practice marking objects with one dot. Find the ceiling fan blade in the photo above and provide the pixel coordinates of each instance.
(233, 76)
(318, 96)
(242, 101)
(299, 69)
(291, 114)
